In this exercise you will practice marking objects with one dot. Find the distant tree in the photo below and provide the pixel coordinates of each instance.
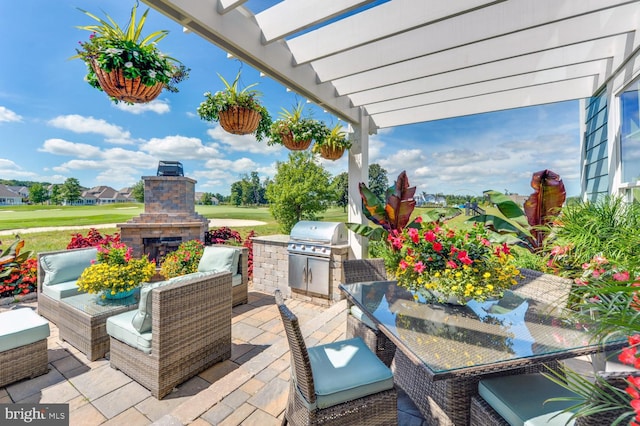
(206, 199)
(71, 190)
(340, 185)
(236, 193)
(137, 191)
(378, 181)
(300, 190)
(56, 194)
(38, 193)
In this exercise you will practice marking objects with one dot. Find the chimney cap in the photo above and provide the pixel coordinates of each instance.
(170, 168)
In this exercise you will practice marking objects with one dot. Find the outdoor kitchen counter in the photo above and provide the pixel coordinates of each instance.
(270, 265)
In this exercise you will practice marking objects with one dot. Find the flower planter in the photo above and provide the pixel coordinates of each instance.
(240, 121)
(293, 145)
(119, 295)
(117, 86)
(331, 153)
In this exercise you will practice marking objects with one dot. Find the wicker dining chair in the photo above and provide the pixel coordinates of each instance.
(358, 325)
(340, 383)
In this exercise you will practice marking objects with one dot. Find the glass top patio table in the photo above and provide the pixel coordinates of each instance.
(454, 340)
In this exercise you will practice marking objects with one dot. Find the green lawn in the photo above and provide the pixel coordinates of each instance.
(19, 217)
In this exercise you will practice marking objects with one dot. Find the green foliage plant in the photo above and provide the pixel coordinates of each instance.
(606, 227)
(184, 260)
(302, 128)
(336, 139)
(233, 96)
(300, 190)
(111, 47)
(526, 228)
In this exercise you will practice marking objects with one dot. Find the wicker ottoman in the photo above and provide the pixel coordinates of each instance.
(23, 345)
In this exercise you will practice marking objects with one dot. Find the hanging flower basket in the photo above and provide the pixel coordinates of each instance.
(330, 152)
(117, 86)
(294, 145)
(239, 121)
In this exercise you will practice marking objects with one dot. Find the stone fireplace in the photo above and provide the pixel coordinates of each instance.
(169, 218)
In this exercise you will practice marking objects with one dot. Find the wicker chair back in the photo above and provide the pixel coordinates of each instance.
(359, 270)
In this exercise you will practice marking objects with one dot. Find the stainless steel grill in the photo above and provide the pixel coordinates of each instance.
(309, 251)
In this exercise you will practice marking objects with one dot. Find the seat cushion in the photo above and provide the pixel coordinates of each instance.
(347, 370)
(219, 259)
(66, 266)
(236, 280)
(358, 314)
(61, 290)
(520, 399)
(120, 327)
(20, 327)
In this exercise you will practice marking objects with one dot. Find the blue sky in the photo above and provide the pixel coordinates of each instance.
(54, 126)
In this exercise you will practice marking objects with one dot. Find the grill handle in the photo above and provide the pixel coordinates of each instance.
(304, 273)
(310, 276)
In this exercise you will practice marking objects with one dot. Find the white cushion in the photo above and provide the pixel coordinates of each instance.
(66, 266)
(219, 259)
(62, 290)
(20, 327)
(120, 327)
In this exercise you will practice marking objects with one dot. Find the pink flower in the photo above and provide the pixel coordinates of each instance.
(430, 236)
(414, 235)
(621, 276)
(403, 265)
(437, 247)
(418, 219)
(628, 356)
(451, 264)
(418, 267)
(463, 256)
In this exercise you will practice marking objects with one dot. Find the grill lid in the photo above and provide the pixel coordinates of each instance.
(333, 233)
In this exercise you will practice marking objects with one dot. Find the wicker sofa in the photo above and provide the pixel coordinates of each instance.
(186, 329)
(58, 272)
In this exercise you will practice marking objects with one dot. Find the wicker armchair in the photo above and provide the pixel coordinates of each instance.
(482, 414)
(342, 383)
(191, 330)
(360, 270)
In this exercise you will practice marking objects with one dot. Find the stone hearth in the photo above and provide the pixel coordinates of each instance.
(169, 217)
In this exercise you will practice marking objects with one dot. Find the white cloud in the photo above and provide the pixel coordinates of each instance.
(180, 148)
(242, 143)
(157, 106)
(6, 115)
(79, 124)
(62, 147)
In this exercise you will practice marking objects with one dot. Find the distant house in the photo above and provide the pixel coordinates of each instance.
(9, 197)
(22, 190)
(104, 195)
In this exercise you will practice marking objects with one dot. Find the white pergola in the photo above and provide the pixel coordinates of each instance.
(408, 61)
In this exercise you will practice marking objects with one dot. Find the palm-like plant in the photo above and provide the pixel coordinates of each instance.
(296, 132)
(219, 106)
(111, 48)
(332, 147)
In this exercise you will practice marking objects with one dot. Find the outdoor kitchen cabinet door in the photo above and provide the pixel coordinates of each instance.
(310, 274)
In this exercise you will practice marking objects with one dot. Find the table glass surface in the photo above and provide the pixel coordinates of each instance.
(452, 337)
(94, 304)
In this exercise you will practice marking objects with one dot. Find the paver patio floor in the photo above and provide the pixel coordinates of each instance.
(251, 388)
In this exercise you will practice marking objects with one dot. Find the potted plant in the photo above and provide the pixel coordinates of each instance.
(116, 274)
(238, 111)
(332, 147)
(296, 132)
(123, 65)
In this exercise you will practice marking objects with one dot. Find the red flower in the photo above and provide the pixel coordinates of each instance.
(414, 235)
(430, 236)
(418, 219)
(463, 256)
(403, 265)
(451, 264)
(437, 247)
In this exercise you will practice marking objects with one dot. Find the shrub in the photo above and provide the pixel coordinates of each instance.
(18, 271)
(93, 239)
(184, 260)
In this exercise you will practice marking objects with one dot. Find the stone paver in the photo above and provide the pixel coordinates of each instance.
(251, 388)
